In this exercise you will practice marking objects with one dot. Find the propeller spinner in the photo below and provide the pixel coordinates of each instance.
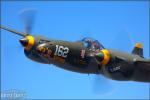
(27, 42)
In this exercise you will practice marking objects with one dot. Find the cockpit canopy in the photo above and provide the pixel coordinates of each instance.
(92, 44)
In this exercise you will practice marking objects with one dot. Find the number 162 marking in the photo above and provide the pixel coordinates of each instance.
(61, 51)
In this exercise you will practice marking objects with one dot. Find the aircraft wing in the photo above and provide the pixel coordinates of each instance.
(14, 31)
(24, 34)
(142, 71)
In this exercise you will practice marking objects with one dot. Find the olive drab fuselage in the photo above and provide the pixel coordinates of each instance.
(75, 56)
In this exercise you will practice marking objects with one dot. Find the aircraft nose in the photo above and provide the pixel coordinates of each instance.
(24, 41)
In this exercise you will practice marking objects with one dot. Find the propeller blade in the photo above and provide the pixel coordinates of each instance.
(28, 16)
(102, 85)
(126, 40)
(14, 31)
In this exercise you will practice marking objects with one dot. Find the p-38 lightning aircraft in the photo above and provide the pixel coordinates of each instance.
(87, 56)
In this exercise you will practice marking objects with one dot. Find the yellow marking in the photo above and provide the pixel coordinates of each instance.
(30, 42)
(42, 49)
(139, 45)
(106, 57)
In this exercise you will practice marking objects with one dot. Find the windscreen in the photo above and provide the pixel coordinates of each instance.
(92, 44)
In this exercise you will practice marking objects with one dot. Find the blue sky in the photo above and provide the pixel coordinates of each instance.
(117, 25)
